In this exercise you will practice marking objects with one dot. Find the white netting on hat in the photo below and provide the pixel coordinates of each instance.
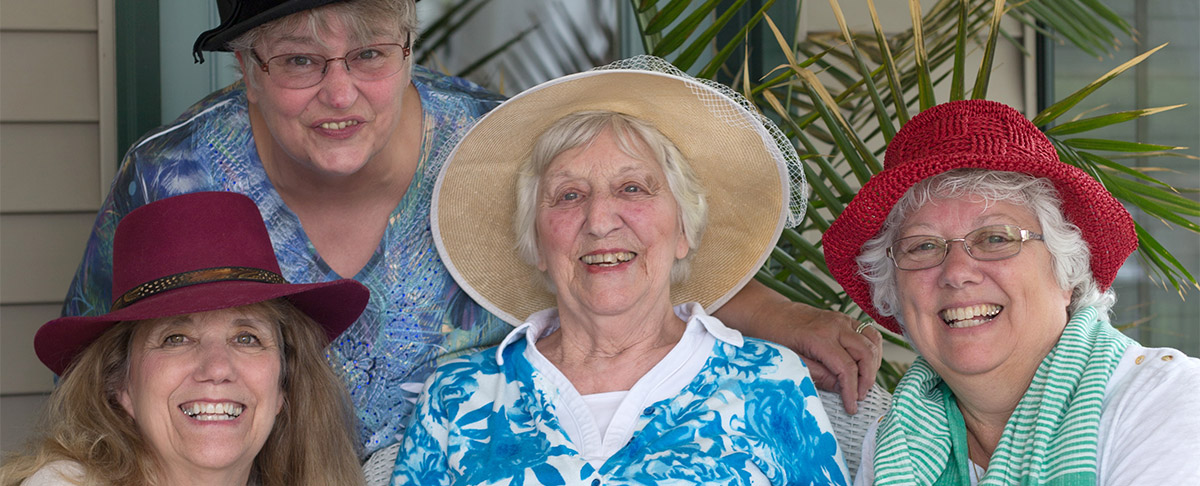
(734, 109)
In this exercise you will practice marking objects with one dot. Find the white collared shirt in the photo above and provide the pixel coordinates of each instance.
(601, 437)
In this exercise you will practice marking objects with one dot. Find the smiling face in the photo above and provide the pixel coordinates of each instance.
(204, 388)
(969, 317)
(608, 229)
(337, 126)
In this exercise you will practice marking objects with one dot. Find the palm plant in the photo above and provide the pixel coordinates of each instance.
(555, 44)
(841, 97)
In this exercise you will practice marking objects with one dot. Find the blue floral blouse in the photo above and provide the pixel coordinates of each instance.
(751, 415)
(417, 316)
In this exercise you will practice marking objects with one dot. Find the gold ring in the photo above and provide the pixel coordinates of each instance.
(862, 326)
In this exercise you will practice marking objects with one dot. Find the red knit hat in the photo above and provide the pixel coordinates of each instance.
(195, 253)
(974, 134)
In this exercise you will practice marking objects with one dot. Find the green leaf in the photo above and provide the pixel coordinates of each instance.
(1093, 123)
(924, 85)
(889, 66)
(960, 53)
(1114, 145)
(1089, 157)
(798, 271)
(866, 75)
(794, 293)
(1056, 110)
(723, 55)
(701, 43)
(665, 16)
(684, 29)
(989, 53)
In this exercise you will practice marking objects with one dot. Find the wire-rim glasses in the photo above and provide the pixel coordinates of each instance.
(989, 243)
(298, 70)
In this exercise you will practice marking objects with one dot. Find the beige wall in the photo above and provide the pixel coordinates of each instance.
(57, 155)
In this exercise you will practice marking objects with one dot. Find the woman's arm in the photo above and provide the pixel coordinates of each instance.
(838, 358)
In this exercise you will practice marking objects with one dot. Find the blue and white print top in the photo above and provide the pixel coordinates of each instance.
(417, 317)
(718, 409)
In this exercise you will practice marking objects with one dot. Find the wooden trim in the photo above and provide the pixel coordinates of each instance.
(106, 40)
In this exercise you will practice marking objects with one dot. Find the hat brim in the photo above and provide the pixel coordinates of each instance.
(334, 305)
(475, 195)
(217, 38)
(1104, 223)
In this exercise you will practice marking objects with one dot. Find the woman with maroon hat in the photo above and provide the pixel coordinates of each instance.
(209, 369)
(996, 260)
(338, 137)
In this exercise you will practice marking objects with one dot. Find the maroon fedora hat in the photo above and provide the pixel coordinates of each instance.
(974, 134)
(194, 253)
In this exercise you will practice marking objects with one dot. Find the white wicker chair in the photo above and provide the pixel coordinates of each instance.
(378, 468)
(849, 430)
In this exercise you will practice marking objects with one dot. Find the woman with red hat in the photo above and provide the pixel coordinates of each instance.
(996, 261)
(337, 136)
(209, 369)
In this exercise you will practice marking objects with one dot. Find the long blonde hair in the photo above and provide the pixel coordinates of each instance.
(311, 443)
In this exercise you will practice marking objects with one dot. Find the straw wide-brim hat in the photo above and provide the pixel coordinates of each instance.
(195, 253)
(737, 161)
(977, 134)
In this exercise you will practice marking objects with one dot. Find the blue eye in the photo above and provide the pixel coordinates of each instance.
(631, 189)
(570, 196)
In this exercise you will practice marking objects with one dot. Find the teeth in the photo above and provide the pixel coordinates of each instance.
(607, 259)
(212, 411)
(339, 125)
(970, 316)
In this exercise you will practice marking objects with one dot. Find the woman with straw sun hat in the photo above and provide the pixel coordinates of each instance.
(623, 205)
(338, 137)
(996, 261)
(209, 369)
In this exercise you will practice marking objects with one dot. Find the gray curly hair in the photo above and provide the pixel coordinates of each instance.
(1069, 252)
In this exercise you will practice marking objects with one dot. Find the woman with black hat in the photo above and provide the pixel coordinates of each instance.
(209, 369)
(996, 261)
(337, 136)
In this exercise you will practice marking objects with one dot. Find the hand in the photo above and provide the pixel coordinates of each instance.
(838, 358)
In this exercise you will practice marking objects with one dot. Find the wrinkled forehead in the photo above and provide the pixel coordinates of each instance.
(324, 26)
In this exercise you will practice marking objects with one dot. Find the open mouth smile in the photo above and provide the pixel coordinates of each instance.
(207, 412)
(971, 316)
(339, 125)
(608, 259)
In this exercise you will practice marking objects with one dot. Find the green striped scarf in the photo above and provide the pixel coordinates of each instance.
(1050, 439)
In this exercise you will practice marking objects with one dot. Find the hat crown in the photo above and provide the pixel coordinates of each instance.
(190, 232)
(969, 128)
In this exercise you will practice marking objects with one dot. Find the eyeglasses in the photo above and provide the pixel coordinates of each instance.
(367, 63)
(988, 243)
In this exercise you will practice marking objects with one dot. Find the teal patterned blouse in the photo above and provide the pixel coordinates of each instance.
(417, 315)
(751, 415)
